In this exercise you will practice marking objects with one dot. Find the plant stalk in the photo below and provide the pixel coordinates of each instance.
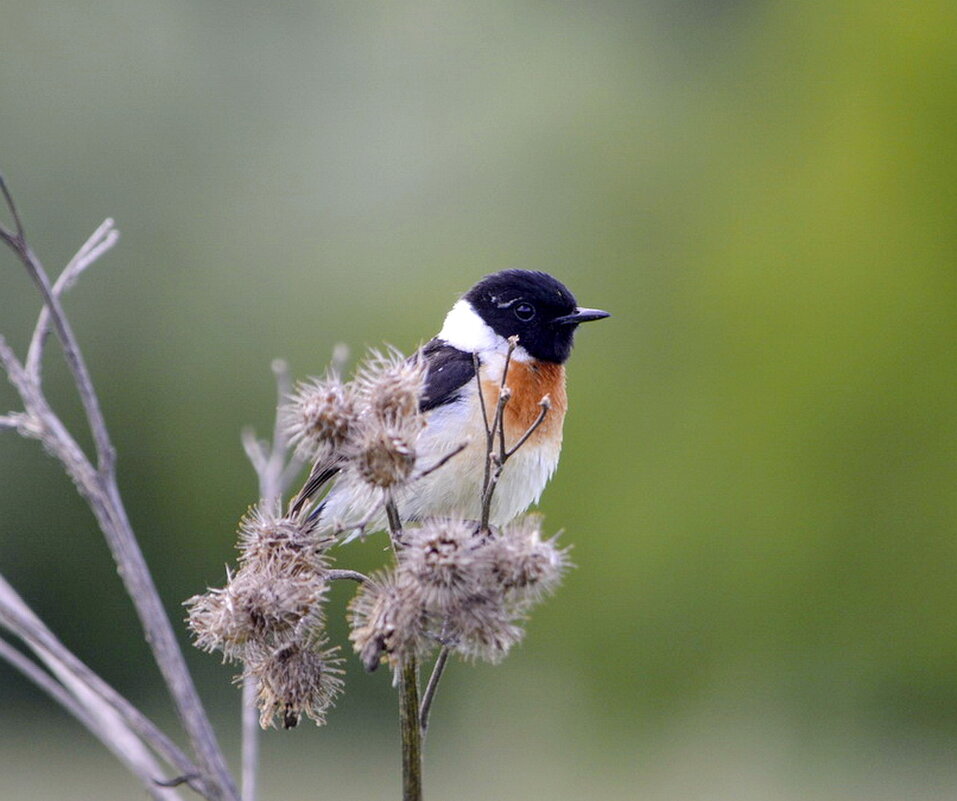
(411, 731)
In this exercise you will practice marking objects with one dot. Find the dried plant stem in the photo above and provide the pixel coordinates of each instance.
(275, 469)
(410, 727)
(249, 771)
(102, 239)
(545, 403)
(17, 617)
(141, 766)
(411, 730)
(437, 671)
(99, 487)
(495, 459)
(111, 718)
(395, 523)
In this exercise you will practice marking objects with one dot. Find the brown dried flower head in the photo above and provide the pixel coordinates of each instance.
(269, 540)
(295, 680)
(214, 624)
(319, 416)
(270, 606)
(528, 567)
(483, 628)
(387, 620)
(390, 386)
(446, 559)
(382, 455)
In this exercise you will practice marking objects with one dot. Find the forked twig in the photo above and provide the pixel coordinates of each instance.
(99, 487)
(546, 404)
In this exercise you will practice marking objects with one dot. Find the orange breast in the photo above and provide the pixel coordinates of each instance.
(529, 382)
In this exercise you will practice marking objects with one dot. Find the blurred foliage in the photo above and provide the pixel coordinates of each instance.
(759, 469)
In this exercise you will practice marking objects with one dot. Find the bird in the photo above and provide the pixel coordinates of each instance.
(527, 307)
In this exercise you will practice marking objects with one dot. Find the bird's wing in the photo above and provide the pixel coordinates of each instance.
(321, 472)
(449, 370)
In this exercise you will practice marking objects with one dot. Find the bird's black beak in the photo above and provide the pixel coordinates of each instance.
(581, 316)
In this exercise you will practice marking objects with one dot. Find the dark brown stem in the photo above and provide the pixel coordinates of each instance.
(395, 524)
(432, 686)
(411, 730)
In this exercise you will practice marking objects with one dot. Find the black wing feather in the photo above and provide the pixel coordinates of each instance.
(450, 369)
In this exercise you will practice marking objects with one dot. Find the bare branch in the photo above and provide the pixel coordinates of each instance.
(431, 687)
(99, 488)
(9, 421)
(18, 618)
(112, 719)
(99, 243)
(64, 331)
(47, 683)
(18, 224)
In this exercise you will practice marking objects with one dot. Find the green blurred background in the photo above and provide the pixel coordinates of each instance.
(759, 474)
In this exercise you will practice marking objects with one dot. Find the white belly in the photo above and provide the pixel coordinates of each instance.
(455, 489)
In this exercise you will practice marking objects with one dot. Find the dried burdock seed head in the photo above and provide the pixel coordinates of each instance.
(271, 605)
(528, 567)
(446, 559)
(390, 385)
(319, 416)
(270, 541)
(387, 620)
(381, 455)
(482, 628)
(214, 623)
(295, 679)
(256, 607)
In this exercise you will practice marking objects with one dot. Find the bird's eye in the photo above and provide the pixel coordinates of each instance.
(525, 312)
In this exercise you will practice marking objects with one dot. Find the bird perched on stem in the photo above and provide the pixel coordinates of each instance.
(500, 356)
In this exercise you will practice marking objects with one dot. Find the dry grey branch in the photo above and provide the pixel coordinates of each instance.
(99, 487)
(116, 722)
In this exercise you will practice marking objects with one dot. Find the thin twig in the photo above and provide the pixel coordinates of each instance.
(47, 683)
(411, 731)
(249, 769)
(493, 461)
(269, 460)
(477, 365)
(442, 462)
(546, 404)
(18, 224)
(431, 687)
(71, 351)
(352, 575)
(102, 239)
(395, 523)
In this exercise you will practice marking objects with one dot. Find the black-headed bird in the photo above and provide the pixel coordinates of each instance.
(543, 315)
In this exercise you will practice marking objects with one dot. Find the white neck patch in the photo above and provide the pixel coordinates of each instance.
(466, 330)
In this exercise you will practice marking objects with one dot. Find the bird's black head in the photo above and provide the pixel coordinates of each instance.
(534, 306)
